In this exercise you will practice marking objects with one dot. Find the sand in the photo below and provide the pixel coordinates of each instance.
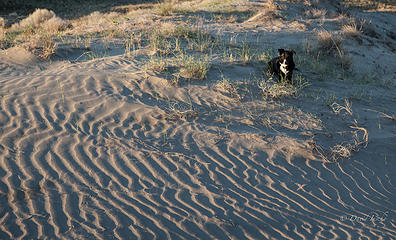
(99, 149)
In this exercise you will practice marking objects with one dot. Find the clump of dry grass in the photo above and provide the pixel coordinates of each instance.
(36, 18)
(316, 13)
(44, 18)
(35, 32)
(43, 45)
(351, 30)
(55, 24)
(328, 42)
(274, 90)
(157, 64)
(96, 18)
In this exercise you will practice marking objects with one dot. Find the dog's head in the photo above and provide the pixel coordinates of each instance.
(286, 61)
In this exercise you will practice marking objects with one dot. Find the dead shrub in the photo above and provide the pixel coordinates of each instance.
(344, 150)
(327, 42)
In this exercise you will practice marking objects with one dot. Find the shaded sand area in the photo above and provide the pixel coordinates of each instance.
(104, 142)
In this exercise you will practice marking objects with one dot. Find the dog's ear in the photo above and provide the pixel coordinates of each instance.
(281, 51)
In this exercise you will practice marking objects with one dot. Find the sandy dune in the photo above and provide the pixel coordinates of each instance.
(100, 149)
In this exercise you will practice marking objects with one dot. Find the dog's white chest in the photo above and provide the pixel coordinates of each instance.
(283, 67)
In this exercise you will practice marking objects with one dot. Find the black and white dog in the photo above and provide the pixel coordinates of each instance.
(283, 65)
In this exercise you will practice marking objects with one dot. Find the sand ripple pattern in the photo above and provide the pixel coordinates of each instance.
(87, 152)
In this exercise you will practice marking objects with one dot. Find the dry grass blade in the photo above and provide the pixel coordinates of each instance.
(317, 150)
(337, 108)
(391, 117)
(365, 135)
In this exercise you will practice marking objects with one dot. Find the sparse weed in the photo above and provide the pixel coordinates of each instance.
(358, 94)
(166, 8)
(331, 98)
(170, 39)
(265, 56)
(300, 82)
(316, 96)
(245, 54)
(157, 64)
(368, 28)
(92, 55)
(76, 125)
(132, 42)
(160, 42)
(202, 42)
(327, 43)
(228, 55)
(225, 85)
(194, 68)
(366, 79)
